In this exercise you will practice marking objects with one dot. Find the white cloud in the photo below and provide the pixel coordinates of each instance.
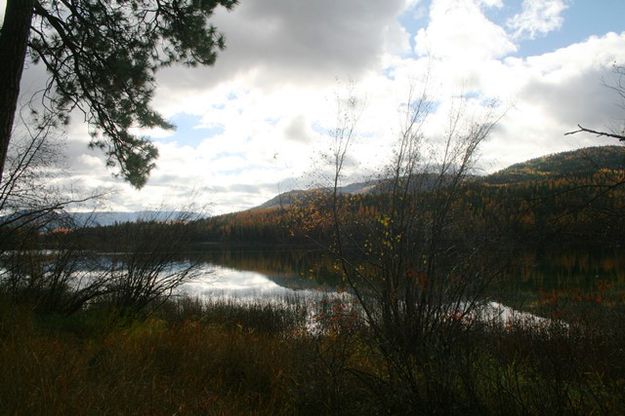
(259, 145)
(3, 6)
(458, 29)
(274, 42)
(492, 3)
(537, 17)
(555, 91)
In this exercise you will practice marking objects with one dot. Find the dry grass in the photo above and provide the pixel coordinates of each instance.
(223, 359)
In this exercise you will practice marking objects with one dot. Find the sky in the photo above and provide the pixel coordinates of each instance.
(257, 123)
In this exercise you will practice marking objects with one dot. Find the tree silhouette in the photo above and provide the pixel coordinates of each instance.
(101, 57)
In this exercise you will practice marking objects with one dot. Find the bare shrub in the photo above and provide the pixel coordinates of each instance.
(414, 262)
(30, 209)
(149, 261)
(61, 281)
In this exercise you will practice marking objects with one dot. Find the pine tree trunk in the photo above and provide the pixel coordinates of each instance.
(13, 45)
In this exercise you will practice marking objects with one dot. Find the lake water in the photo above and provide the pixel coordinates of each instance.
(252, 275)
(276, 275)
(262, 274)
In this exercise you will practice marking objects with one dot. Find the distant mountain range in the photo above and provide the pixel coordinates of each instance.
(105, 218)
(285, 199)
(581, 162)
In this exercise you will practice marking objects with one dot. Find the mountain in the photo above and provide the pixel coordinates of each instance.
(581, 162)
(105, 218)
(560, 196)
(423, 182)
(285, 199)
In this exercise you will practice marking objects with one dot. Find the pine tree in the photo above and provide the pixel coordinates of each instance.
(101, 57)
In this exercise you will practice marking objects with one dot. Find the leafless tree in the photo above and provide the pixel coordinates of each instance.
(148, 265)
(416, 270)
(60, 280)
(28, 202)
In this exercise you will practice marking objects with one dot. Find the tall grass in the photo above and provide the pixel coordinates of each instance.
(190, 357)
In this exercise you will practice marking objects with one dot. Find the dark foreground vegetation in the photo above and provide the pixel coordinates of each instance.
(190, 358)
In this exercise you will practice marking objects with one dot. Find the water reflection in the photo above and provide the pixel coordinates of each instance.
(292, 268)
(574, 269)
(530, 271)
(219, 282)
(271, 275)
(222, 281)
(247, 287)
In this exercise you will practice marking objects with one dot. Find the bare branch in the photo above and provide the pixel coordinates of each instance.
(582, 129)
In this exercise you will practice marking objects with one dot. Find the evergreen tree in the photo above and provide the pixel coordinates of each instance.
(102, 57)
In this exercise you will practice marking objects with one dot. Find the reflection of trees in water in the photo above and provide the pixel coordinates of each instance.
(588, 270)
(533, 271)
(300, 267)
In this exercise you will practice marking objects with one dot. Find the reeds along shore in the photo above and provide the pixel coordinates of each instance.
(189, 357)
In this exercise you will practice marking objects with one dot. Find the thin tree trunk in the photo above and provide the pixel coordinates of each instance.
(13, 45)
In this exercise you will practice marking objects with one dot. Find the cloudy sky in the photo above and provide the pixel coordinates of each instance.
(256, 123)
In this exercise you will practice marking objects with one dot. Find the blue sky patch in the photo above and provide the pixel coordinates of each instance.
(318, 128)
(189, 131)
(389, 72)
(412, 20)
(582, 19)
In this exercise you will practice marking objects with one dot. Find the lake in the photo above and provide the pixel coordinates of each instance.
(249, 274)
(254, 273)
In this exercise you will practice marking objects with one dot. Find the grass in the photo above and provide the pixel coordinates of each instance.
(187, 358)
(220, 358)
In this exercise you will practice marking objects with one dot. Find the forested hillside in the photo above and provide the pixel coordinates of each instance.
(560, 197)
(576, 163)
